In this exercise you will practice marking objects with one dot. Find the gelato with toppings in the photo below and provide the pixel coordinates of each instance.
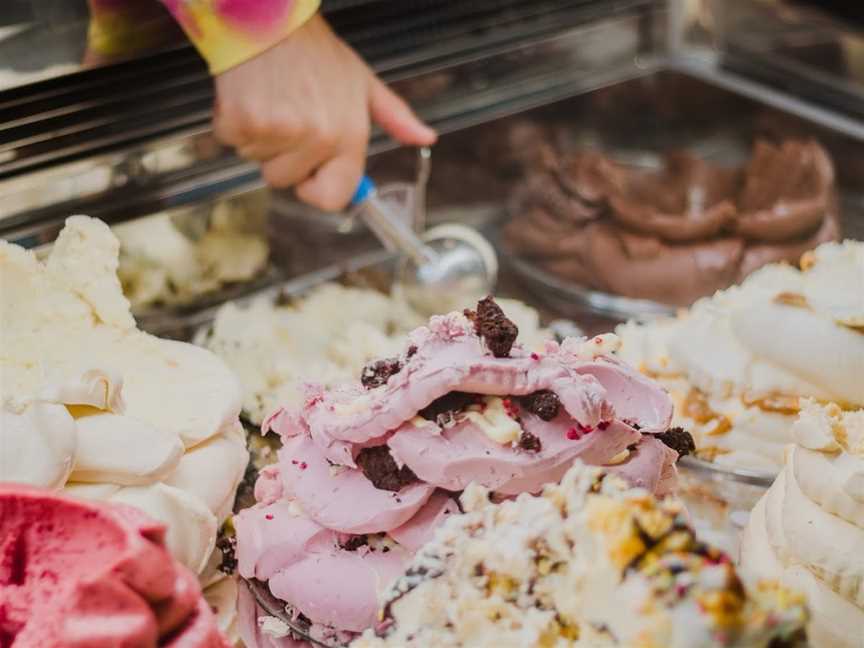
(75, 573)
(591, 562)
(94, 406)
(808, 529)
(275, 347)
(738, 364)
(369, 469)
(678, 233)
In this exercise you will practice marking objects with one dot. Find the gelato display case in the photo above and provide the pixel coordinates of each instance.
(561, 128)
(660, 169)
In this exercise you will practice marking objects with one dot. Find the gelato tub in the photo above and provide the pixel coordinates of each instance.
(645, 195)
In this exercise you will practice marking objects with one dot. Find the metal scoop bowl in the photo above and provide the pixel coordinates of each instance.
(447, 266)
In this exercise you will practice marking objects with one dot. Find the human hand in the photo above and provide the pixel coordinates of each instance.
(303, 110)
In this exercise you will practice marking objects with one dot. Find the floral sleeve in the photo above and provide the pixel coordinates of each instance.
(228, 32)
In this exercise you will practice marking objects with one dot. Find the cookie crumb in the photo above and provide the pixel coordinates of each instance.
(443, 410)
(679, 439)
(354, 543)
(227, 546)
(378, 373)
(380, 468)
(492, 325)
(530, 442)
(544, 404)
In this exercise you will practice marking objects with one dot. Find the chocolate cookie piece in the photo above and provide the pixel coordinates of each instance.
(491, 324)
(529, 442)
(443, 410)
(355, 542)
(544, 404)
(227, 545)
(679, 439)
(380, 468)
(378, 373)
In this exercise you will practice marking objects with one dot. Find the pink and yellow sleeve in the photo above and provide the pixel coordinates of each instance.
(228, 32)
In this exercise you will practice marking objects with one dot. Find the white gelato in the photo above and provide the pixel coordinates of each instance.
(326, 337)
(737, 364)
(92, 405)
(163, 260)
(38, 445)
(590, 563)
(808, 530)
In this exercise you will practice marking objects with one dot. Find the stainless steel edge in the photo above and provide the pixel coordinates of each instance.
(743, 475)
(713, 73)
(582, 300)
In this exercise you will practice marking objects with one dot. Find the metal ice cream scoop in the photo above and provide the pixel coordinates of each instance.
(447, 267)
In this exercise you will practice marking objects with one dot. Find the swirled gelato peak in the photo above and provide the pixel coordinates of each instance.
(383, 458)
(808, 529)
(590, 563)
(739, 364)
(90, 575)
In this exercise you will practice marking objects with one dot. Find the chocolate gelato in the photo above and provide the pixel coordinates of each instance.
(678, 233)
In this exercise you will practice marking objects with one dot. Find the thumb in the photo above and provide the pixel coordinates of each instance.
(391, 113)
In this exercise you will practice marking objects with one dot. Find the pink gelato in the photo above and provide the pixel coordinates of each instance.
(368, 471)
(91, 575)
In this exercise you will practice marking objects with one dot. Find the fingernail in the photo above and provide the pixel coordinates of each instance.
(430, 133)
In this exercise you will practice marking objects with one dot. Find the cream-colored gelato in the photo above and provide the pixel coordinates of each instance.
(808, 530)
(326, 337)
(162, 262)
(589, 563)
(737, 364)
(92, 405)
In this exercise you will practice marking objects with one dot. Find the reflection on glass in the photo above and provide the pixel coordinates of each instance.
(43, 39)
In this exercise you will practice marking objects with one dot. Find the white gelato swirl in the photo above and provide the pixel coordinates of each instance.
(122, 450)
(38, 445)
(739, 363)
(808, 530)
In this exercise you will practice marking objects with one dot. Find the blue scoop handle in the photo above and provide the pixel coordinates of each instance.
(365, 188)
(393, 233)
